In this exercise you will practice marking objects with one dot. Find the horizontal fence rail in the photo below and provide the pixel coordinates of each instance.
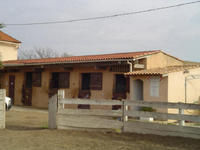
(126, 118)
(164, 116)
(90, 102)
(88, 112)
(162, 104)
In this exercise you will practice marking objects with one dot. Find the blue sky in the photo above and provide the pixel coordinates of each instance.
(175, 31)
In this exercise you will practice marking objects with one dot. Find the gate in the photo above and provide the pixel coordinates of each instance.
(127, 119)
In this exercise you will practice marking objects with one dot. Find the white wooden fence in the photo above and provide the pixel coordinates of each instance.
(88, 118)
(2, 108)
(124, 119)
(160, 128)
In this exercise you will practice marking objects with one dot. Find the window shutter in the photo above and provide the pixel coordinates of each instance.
(96, 81)
(36, 79)
(63, 80)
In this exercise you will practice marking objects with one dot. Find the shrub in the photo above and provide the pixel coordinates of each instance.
(149, 109)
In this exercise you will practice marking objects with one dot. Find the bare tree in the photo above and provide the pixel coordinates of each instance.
(38, 53)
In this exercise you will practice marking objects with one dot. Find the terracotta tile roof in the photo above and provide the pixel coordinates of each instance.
(161, 71)
(7, 38)
(82, 59)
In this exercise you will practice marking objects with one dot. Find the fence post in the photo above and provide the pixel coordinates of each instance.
(181, 122)
(61, 95)
(52, 112)
(124, 117)
(2, 108)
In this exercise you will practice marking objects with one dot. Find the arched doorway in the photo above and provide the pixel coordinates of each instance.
(138, 90)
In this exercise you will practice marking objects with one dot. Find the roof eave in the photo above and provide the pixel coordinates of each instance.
(72, 62)
(143, 74)
(11, 43)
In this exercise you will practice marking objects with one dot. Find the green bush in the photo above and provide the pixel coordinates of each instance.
(149, 109)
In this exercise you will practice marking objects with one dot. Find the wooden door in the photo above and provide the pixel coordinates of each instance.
(11, 93)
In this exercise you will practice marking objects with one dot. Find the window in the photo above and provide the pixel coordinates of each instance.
(37, 79)
(154, 87)
(96, 81)
(60, 80)
(91, 81)
(63, 80)
(120, 83)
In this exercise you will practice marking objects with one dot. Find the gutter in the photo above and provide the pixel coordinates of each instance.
(130, 66)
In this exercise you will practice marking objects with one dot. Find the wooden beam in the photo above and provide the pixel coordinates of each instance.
(164, 116)
(90, 102)
(162, 104)
(90, 112)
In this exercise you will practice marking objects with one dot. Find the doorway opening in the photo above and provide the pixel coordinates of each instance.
(85, 89)
(27, 90)
(120, 89)
(138, 90)
(28, 83)
(11, 93)
(85, 82)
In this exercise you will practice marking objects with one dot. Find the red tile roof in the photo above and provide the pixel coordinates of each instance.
(7, 38)
(161, 71)
(80, 59)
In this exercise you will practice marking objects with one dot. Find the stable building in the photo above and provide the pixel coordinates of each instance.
(145, 75)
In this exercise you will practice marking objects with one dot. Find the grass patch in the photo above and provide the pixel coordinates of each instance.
(45, 126)
(118, 130)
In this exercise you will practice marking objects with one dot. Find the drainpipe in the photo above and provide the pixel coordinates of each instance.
(130, 66)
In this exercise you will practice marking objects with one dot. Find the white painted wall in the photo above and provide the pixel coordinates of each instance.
(8, 51)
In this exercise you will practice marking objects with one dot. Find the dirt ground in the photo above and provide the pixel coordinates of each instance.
(27, 130)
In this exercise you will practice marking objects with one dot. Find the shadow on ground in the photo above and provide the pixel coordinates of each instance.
(23, 128)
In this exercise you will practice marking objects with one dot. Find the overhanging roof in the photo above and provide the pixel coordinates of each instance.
(82, 59)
